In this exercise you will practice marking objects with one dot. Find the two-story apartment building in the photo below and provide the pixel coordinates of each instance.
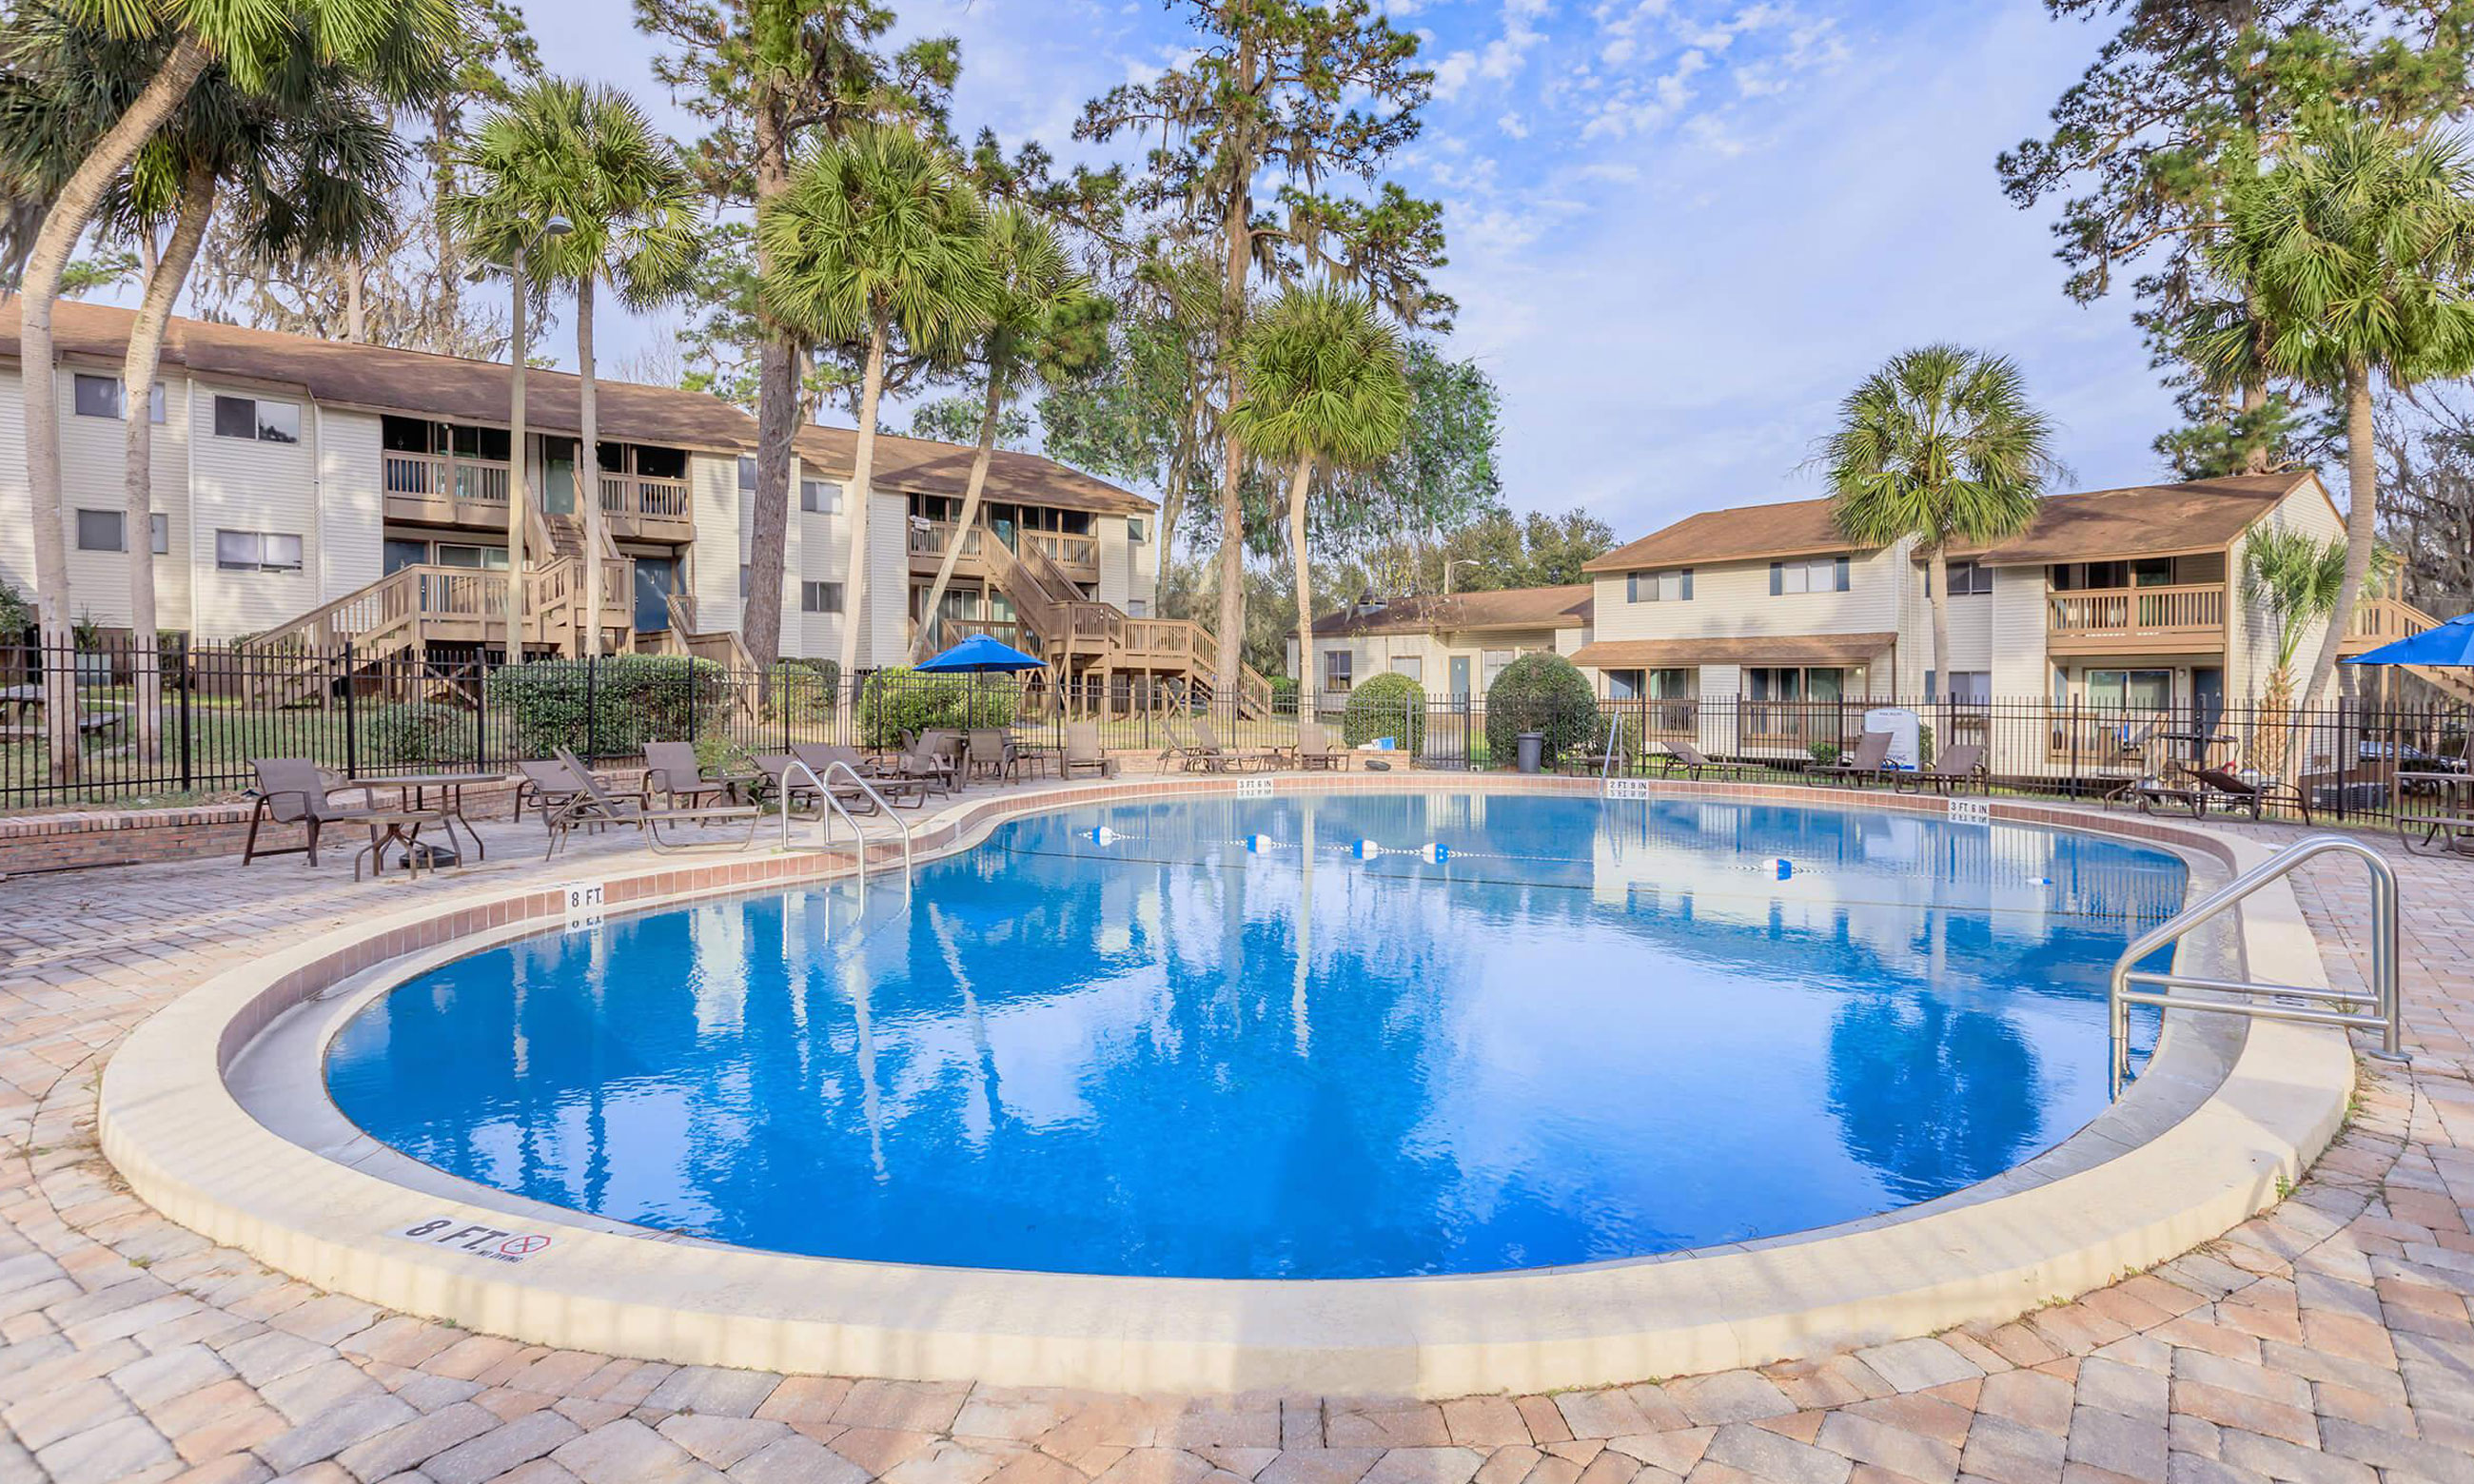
(1452, 646)
(336, 491)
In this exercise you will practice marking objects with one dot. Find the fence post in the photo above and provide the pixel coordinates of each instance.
(592, 709)
(189, 757)
(2075, 747)
(352, 720)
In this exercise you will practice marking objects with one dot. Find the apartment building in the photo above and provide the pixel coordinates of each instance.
(331, 492)
(1452, 646)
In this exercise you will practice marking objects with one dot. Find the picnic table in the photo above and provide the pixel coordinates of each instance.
(21, 715)
(2434, 813)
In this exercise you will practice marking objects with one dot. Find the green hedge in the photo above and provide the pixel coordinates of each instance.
(1540, 693)
(634, 699)
(1387, 705)
(903, 700)
(419, 733)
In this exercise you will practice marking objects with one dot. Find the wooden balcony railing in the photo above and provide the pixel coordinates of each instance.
(931, 538)
(2384, 617)
(2189, 617)
(1064, 549)
(444, 477)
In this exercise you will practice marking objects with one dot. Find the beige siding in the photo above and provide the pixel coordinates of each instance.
(352, 501)
(1116, 581)
(245, 485)
(713, 565)
(1732, 600)
(2250, 654)
(93, 460)
(821, 547)
(2018, 663)
(886, 638)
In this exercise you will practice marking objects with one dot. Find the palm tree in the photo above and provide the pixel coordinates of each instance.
(1324, 387)
(876, 231)
(633, 224)
(2353, 253)
(1036, 293)
(2298, 580)
(1939, 445)
(254, 40)
(523, 191)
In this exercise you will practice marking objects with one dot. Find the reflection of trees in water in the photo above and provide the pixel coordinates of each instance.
(1929, 1095)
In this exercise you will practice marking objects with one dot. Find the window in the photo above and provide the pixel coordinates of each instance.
(399, 554)
(820, 497)
(1671, 685)
(1967, 687)
(742, 581)
(1967, 580)
(1134, 529)
(267, 422)
(1493, 660)
(1337, 668)
(1624, 685)
(1790, 683)
(1824, 574)
(1411, 665)
(820, 598)
(1136, 608)
(746, 471)
(159, 529)
(100, 530)
(1674, 586)
(99, 396)
(262, 551)
(2136, 690)
(478, 558)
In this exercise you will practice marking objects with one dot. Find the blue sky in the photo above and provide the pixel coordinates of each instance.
(1680, 229)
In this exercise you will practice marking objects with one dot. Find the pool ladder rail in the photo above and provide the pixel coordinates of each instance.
(2378, 1008)
(834, 805)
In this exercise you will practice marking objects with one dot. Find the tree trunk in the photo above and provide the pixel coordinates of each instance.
(1937, 574)
(1237, 227)
(1180, 463)
(516, 493)
(2361, 528)
(356, 324)
(979, 480)
(588, 467)
(777, 423)
(862, 472)
(1298, 484)
(137, 406)
(62, 226)
(450, 287)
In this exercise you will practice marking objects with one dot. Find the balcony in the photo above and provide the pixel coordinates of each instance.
(1076, 556)
(642, 509)
(441, 489)
(2161, 621)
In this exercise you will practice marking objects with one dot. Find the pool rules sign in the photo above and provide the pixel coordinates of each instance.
(473, 1239)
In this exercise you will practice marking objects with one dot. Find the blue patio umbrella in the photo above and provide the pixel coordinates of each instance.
(980, 654)
(2448, 644)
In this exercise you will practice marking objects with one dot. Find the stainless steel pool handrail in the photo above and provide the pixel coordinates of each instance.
(2131, 985)
(1615, 744)
(824, 835)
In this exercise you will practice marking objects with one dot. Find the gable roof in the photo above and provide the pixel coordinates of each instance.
(455, 389)
(2171, 519)
(1566, 607)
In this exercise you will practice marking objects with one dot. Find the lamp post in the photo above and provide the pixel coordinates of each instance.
(518, 493)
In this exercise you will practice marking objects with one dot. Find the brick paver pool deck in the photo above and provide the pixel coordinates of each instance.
(2327, 1341)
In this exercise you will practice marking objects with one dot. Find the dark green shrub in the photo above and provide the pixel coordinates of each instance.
(418, 733)
(1386, 706)
(613, 705)
(804, 689)
(903, 700)
(1825, 754)
(1540, 693)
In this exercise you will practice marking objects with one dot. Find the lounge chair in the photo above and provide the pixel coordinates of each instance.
(1225, 759)
(595, 804)
(1948, 774)
(1083, 751)
(1189, 756)
(547, 782)
(296, 791)
(672, 772)
(801, 792)
(1315, 748)
(1869, 763)
(2201, 789)
(927, 757)
(1689, 760)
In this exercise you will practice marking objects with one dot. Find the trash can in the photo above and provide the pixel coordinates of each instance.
(1533, 748)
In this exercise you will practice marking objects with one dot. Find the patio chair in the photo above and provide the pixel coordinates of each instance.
(1189, 756)
(820, 756)
(672, 772)
(1316, 751)
(595, 804)
(1083, 750)
(926, 759)
(985, 751)
(296, 791)
(1226, 759)
(1689, 760)
(2201, 789)
(1948, 774)
(547, 782)
(1870, 762)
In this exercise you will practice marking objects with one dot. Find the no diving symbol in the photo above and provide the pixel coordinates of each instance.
(523, 1246)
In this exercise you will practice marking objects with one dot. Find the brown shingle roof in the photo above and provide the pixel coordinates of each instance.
(1822, 649)
(1507, 607)
(2143, 520)
(1747, 533)
(455, 389)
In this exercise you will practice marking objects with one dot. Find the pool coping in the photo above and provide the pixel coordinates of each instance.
(171, 1123)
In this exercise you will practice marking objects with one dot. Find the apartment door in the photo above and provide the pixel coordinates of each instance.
(2207, 707)
(558, 476)
(1461, 677)
(655, 578)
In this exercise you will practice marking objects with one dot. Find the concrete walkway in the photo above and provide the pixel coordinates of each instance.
(2329, 1342)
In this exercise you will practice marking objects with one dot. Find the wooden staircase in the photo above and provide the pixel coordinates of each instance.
(2385, 617)
(1084, 640)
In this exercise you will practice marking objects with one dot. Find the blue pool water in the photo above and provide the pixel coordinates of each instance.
(1223, 1044)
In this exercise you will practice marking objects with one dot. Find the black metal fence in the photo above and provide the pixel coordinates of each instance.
(183, 724)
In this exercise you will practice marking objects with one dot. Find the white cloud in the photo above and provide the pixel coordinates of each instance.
(1515, 125)
(1452, 74)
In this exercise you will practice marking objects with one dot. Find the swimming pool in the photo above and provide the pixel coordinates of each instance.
(1292, 1038)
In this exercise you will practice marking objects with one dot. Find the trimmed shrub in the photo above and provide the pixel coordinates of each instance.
(419, 733)
(1386, 706)
(1542, 693)
(903, 700)
(613, 704)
